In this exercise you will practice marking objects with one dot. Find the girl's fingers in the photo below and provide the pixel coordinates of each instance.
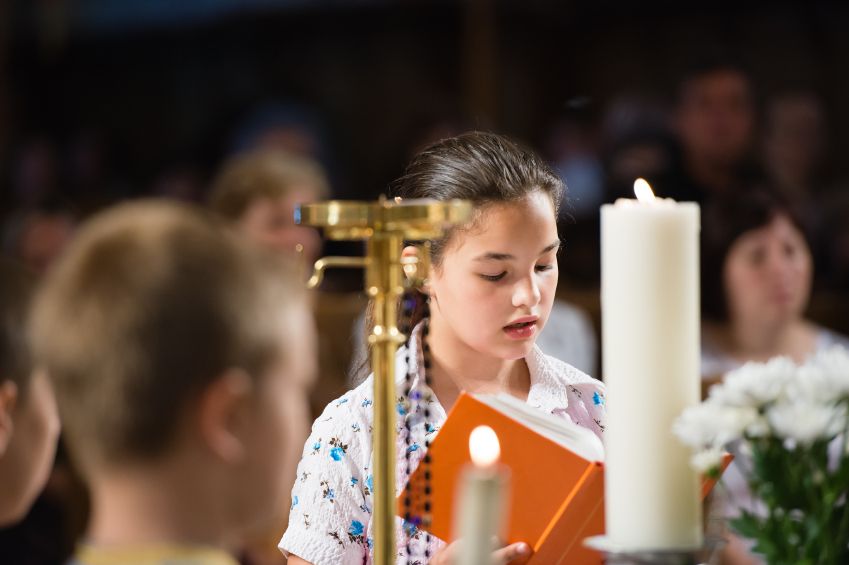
(515, 552)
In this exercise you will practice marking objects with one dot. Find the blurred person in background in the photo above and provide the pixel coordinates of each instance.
(794, 144)
(33, 526)
(290, 128)
(573, 149)
(714, 121)
(37, 236)
(794, 152)
(637, 143)
(35, 171)
(756, 273)
(29, 420)
(256, 192)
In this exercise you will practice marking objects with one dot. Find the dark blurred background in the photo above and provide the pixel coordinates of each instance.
(154, 89)
(102, 100)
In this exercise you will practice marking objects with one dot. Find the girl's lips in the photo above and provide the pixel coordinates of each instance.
(522, 329)
(523, 320)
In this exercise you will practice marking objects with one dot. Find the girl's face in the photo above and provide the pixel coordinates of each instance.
(495, 286)
(768, 274)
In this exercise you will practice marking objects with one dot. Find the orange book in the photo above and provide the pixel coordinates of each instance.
(552, 514)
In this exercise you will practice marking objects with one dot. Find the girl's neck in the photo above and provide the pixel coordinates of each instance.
(456, 367)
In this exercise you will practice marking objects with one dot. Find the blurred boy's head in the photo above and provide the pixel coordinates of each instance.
(29, 424)
(174, 346)
(257, 192)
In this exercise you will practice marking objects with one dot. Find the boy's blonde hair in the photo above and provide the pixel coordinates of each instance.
(263, 173)
(150, 304)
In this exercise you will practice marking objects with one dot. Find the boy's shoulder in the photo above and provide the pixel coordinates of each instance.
(154, 554)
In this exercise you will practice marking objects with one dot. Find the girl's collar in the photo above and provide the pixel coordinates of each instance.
(546, 391)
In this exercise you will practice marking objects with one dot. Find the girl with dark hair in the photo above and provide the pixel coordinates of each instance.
(756, 283)
(488, 295)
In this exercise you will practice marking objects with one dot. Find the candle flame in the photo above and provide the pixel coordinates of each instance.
(643, 190)
(483, 446)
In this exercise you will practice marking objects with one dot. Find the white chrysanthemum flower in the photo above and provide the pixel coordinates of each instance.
(755, 384)
(713, 425)
(806, 422)
(707, 460)
(824, 378)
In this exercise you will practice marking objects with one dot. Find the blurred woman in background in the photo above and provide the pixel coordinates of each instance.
(757, 272)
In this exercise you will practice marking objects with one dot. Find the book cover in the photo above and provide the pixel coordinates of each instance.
(541, 506)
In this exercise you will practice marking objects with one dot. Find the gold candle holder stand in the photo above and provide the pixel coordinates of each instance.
(385, 225)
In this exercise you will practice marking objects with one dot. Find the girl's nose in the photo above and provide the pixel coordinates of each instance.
(526, 293)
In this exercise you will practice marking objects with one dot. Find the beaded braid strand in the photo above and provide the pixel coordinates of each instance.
(422, 516)
(427, 398)
(407, 308)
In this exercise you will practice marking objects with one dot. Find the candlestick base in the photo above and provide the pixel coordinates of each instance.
(614, 555)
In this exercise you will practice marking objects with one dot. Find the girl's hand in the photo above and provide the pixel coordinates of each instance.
(515, 554)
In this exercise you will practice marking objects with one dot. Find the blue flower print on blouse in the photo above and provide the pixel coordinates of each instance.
(370, 484)
(412, 448)
(366, 403)
(342, 401)
(316, 446)
(294, 502)
(598, 399)
(356, 528)
(354, 481)
(355, 533)
(327, 493)
(338, 450)
(401, 408)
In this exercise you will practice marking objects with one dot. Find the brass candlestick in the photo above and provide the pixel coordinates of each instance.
(385, 225)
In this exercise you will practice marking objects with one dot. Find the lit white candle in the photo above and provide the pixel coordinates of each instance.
(481, 502)
(650, 332)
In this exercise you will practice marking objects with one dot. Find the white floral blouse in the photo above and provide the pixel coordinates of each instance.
(329, 521)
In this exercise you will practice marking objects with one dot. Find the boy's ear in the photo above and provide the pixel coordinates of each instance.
(8, 400)
(221, 411)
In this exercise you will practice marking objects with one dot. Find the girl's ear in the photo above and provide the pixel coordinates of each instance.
(409, 255)
(411, 270)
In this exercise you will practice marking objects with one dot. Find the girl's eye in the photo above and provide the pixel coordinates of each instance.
(543, 268)
(494, 278)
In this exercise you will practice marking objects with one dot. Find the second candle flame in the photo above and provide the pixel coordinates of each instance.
(483, 446)
(643, 190)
